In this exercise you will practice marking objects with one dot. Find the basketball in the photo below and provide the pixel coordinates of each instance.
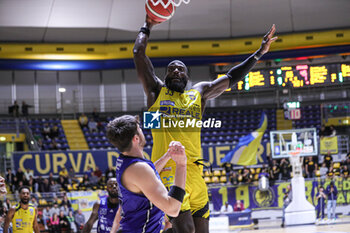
(160, 10)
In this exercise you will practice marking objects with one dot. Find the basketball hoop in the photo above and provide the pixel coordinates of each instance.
(156, 2)
(296, 162)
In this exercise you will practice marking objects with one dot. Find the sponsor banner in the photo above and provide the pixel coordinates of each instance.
(84, 200)
(329, 144)
(43, 163)
(253, 198)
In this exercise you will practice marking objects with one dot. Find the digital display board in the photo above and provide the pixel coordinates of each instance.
(294, 77)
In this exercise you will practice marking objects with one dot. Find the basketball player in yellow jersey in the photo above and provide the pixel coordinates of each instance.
(23, 216)
(173, 98)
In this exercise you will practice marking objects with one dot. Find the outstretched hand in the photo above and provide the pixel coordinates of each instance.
(267, 40)
(150, 22)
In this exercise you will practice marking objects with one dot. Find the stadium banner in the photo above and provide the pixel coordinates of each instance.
(253, 198)
(329, 144)
(43, 163)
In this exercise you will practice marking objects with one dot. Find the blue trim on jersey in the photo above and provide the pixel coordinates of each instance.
(139, 215)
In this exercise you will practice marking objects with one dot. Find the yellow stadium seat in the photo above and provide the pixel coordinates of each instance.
(215, 179)
(59, 201)
(69, 187)
(256, 177)
(42, 202)
(75, 186)
(217, 173)
(223, 179)
(223, 173)
(252, 171)
(80, 179)
(336, 165)
(318, 174)
(240, 178)
(207, 173)
(257, 170)
(207, 180)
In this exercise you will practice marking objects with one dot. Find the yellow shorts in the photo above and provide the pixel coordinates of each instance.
(196, 198)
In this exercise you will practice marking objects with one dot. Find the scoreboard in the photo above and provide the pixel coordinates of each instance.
(298, 76)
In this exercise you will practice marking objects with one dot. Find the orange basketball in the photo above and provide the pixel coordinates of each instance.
(160, 10)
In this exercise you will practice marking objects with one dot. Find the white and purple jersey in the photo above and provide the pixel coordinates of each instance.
(106, 215)
(139, 215)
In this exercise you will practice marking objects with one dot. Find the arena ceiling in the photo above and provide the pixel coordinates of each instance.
(107, 21)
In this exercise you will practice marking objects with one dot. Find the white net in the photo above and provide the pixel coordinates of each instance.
(174, 2)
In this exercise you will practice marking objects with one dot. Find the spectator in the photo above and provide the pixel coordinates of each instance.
(63, 173)
(63, 183)
(65, 201)
(64, 223)
(28, 173)
(55, 145)
(34, 202)
(54, 132)
(110, 173)
(45, 186)
(46, 131)
(20, 175)
(71, 221)
(7, 205)
(54, 187)
(54, 210)
(285, 169)
(83, 120)
(328, 159)
(79, 220)
(14, 109)
(65, 209)
(40, 143)
(46, 216)
(86, 181)
(287, 199)
(324, 132)
(321, 200)
(310, 167)
(332, 193)
(9, 176)
(247, 177)
(239, 206)
(323, 171)
(333, 131)
(227, 208)
(98, 173)
(234, 178)
(92, 125)
(95, 115)
(345, 172)
(71, 176)
(25, 108)
(275, 171)
(54, 224)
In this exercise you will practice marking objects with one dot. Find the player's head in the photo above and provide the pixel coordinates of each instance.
(112, 187)
(24, 194)
(124, 132)
(176, 77)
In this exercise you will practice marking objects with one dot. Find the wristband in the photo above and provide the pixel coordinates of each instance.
(145, 30)
(177, 193)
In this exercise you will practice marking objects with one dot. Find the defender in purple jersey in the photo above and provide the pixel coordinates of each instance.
(143, 197)
(104, 210)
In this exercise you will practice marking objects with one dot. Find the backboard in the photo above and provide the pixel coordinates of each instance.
(286, 142)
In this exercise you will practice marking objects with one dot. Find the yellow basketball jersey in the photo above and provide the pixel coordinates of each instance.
(23, 219)
(180, 114)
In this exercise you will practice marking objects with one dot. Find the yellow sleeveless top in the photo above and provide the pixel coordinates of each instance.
(23, 219)
(180, 114)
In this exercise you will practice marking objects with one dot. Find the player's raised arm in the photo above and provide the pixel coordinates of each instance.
(215, 88)
(145, 70)
(93, 217)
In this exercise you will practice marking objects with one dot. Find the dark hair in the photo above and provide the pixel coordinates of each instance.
(121, 130)
(23, 187)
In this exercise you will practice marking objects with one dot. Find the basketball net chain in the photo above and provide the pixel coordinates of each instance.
(156, 2)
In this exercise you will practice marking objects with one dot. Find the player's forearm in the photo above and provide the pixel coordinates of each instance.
(87, 227)
(180, 176)
(160, 163)
(116, 221)
(238, 72)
